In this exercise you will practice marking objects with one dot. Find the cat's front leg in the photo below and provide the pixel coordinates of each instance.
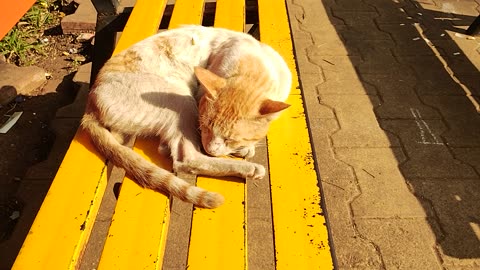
(214, 166)
(246, 152)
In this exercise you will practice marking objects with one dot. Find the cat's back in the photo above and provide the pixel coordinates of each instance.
(188, 45)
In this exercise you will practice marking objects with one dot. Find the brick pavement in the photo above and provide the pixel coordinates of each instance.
(392, 91)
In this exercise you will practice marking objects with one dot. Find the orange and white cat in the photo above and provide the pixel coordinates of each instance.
(189, 87)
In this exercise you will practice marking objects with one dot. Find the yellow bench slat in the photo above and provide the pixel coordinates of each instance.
(186, 12)
(142, 23)
(136, 237)
(230, 14)
(218, 236)
(301, 237)
(63, 224)
(217, 239)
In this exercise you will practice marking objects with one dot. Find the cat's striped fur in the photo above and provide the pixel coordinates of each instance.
(152, 89)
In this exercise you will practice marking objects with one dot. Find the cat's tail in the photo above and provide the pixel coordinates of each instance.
(145, 173)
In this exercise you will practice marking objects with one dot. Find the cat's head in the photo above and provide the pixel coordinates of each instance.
(234, 115)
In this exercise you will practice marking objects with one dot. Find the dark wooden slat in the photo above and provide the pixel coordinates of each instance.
(178, 237)
(93, 250)
(260, 243)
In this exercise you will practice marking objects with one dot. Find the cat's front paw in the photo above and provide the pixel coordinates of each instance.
(258, 173)
(246, 152)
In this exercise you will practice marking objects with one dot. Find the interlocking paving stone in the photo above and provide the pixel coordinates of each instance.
(427, 152)
(353, 251)
(412, 247)
(398, 98)
(384, 191)
(388, 7)
(455, 7)
(359, 127)
(341, 64)
(341, 86)
(363, 33)
(404, 107)
(369, 49)
(412, 48)
(455, 207)
(469, 156)
(439, 83)
(461, 117)
(400, 32)
(309, 83)
(347, 5)
(330, 168)
(330, 47)
(384, 64)
(353, 18)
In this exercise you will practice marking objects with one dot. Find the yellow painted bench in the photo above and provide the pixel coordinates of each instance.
(275, 223)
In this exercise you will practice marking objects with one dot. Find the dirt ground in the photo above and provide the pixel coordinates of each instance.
(31, 139)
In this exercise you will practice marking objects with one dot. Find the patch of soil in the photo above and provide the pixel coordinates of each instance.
(30, 140)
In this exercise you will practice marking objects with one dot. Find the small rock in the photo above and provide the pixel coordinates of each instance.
(79, 58)
(73, 50)
(82, 76)
(24, 80)
(83, 37)
(15, 215)
(19, 99)
(7, 94)
(84, 19)
(44, 40)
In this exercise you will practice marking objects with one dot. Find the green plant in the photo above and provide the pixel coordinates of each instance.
(16, 48)
(21, 45)
(37, 16)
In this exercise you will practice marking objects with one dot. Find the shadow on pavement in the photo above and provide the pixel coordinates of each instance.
(418, 63)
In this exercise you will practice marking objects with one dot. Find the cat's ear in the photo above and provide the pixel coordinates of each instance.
(271, 106)
(212, 82)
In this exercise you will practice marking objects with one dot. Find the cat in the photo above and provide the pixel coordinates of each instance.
(190, 87)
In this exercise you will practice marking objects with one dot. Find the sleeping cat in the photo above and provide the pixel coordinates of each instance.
(189, 87)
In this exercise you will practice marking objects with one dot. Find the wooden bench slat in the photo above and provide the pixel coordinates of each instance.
(230, 14)
(217, 239)
(259, 225)
(301, 237)
(64, 221)
(187, 12)
(142, 23)
(137, 236)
